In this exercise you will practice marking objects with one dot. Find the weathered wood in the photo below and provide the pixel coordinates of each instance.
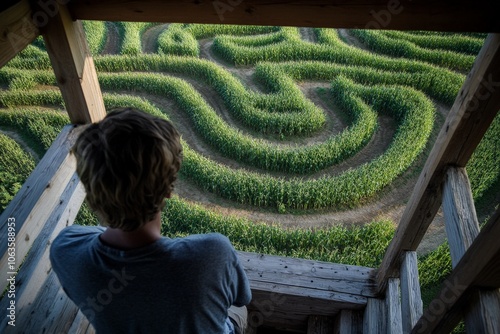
(374, 318)
(81, 325)
(17, 30)
(320, 325)
(376, 14)
(462, 228)
(473, 111)
(325, 277)
(37, 199)
(411, 299)
(459, 213)
(74, 67)
(286, 291)
(393, 306)
(349, 322)
(478, 268)
(39, 302)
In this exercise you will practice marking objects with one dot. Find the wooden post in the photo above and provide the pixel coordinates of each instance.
(462, 228)
(73, 66)
(393, 306)
(477, 268)
(472, 113)
(411, 300)
(320, 325)
(349, 322)
(374, 318)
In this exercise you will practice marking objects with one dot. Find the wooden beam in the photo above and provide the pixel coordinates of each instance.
(73, 66)
(474, 109)
(376, 14)
(462, 227)
(478, 268)
(411, 300)
(36, 200)
(17, 30)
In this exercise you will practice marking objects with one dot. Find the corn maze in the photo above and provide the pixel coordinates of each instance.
(290, 123)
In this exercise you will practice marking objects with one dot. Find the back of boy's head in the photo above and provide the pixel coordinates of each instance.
(128, 163)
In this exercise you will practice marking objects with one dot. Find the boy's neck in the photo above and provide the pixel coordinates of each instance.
(143, 236)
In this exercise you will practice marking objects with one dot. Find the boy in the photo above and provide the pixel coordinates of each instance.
(127, 278)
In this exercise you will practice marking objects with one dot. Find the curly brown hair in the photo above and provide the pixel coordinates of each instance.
(128, 163)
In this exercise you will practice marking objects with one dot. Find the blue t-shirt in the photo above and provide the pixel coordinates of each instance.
(181, 285)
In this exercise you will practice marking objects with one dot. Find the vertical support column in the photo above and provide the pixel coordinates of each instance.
(393, 306)
(348, 322)
(411, 299)
(73, 66)
(462, 228)
(320, 325)
(374, 319)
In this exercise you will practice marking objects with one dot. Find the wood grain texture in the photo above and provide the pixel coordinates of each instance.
(470, 116)
(393, 307)
(320, 325)
(459, 213)
(17, 30)
(411, 299)
(39, 196)
(478, 268)
(74, 68)
(462, 227)
(376, 14)
(349, 322)
(40, 304)
(375, 317)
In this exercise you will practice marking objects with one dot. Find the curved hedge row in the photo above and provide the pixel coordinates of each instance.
(178, 41)
(381, 43)
(457, 43)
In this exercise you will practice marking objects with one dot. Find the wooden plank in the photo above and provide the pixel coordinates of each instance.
(40, 303)
(411, 299)
(478, 268)
(393, 306)
(36, 200)
(74, 67)
(287, 291)
(462, 228)
(473, 111)
(325, 276)
(374, 318)
(81, 325)
(17, 30)
(376, 14)
(320, 325)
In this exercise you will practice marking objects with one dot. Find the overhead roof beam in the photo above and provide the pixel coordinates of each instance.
(468, 15)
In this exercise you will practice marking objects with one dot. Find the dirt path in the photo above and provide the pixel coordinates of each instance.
(112, 45)
(18, 139)
(149, 40)
(351, 40)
